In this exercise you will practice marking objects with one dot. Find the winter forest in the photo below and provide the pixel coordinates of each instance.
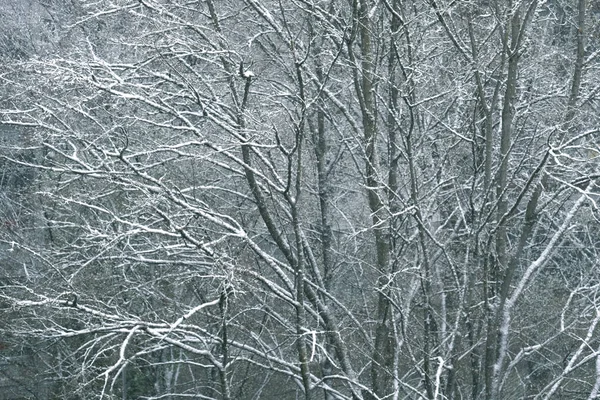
(300, 199)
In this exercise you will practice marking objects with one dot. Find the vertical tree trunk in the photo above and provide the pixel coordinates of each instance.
(505, 265)
(380, 375)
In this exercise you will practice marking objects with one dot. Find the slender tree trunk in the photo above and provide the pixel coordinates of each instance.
(380, 376)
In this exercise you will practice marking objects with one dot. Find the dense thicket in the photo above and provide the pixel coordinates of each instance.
(341, 199)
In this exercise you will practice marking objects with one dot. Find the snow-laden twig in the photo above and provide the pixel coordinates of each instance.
(596, 389)
(573, 361)
(121, 359)
(189, 314)
(522, 284)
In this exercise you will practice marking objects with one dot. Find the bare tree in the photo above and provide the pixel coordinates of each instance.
(317, 199)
